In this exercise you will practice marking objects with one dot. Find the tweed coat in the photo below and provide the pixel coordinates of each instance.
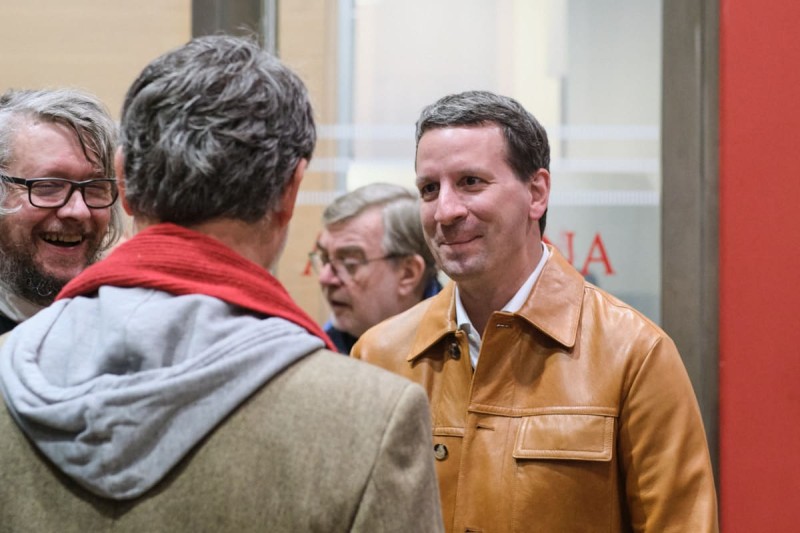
(328, 445)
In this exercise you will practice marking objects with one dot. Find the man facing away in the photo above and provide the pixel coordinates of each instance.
(175, 386)
(555, 406)
(371, 259)
(56, 194)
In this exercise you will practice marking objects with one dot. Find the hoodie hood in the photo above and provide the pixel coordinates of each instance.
(116, 389)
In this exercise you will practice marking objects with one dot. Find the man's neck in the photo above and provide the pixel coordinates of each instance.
(259, 242)
(481, 298)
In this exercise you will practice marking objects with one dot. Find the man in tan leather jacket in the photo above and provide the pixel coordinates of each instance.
(556, 407)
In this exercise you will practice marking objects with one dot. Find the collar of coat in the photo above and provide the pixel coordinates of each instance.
(553, 307)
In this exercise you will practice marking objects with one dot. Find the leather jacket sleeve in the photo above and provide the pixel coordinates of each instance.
(662, 448)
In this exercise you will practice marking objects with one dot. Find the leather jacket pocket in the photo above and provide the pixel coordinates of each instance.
(582, 437)
(565, 473)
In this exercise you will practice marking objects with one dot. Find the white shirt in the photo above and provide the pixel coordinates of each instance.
(514, 304)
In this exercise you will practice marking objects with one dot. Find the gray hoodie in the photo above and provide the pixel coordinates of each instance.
(117, 388)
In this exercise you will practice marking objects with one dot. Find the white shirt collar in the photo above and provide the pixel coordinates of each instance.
(512, 306)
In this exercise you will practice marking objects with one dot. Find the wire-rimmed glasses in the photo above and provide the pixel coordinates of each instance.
(345, 267)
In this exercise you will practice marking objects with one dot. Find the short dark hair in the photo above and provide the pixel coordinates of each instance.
(526, 140)
(214, 129)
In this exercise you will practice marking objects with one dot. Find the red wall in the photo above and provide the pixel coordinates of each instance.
(760, 265)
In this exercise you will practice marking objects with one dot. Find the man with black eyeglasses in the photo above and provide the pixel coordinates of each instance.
(57, 192)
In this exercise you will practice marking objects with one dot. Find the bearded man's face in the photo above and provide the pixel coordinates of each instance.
(42, 249)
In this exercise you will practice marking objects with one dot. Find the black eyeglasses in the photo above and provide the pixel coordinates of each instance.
(56, 192)
(346, 267)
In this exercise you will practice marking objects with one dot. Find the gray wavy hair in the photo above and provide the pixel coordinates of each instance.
(526, 140)
(79, 111)
(214, 129)
(402, 229)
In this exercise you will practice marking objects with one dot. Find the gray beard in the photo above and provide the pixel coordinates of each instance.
(20, 274)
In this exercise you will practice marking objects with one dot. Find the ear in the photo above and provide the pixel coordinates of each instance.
(119, 169)
(411, 270)
(287, 202)
(539, 187)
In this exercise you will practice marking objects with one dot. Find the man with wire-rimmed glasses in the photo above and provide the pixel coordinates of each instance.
(57, 192)
(371, 259)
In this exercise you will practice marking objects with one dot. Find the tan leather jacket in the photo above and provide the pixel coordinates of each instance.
(579, 416)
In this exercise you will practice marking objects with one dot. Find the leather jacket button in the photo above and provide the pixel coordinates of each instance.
(455, 351)
(440, 452)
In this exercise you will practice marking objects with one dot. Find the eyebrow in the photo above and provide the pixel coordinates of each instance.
(350, 251)
(466, 171)
(345, 250)
(420, 180)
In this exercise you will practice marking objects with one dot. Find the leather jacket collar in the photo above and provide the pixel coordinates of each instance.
(554, 308)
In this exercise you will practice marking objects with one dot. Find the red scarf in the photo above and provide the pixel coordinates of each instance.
(180, 261)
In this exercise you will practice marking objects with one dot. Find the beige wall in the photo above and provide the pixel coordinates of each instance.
(95, 45)
(307, 42)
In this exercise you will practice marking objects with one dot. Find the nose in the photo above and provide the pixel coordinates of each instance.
(449, 205)
(328, 277)
(75, 207)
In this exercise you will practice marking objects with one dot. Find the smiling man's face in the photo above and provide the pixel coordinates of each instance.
(42, 249)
